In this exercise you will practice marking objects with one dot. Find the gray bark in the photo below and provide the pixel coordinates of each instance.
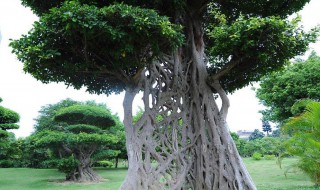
(181, 141)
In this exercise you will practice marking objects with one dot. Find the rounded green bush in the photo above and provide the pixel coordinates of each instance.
(269, 157)
(257, 156)
(105, 163)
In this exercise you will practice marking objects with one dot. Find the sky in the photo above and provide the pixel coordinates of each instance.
(24, 94)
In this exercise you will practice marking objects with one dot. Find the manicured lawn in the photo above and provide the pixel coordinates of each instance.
(266, 174)
(50, 179)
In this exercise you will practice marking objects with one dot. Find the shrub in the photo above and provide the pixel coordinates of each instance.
(304, 141)
(270, 157)
(6, 164)
(257, 156)
(104, 163)
(311, 167)
(68, 165)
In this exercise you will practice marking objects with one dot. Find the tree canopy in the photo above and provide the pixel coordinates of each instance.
(86, 115)
(280, 90)
(102, 45)
(100, 48)
(45, 120)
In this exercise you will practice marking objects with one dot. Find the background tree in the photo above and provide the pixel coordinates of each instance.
(80, 130)
(164, 48)
(266, 127)
(8, 120)
(34, 156)
(44, 157)
(256, 134)
(45, 120)
(304, 142)
(280, 90)
(264, 146)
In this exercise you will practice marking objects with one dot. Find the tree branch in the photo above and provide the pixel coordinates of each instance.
(225, 70)
(67, 149)
(225, 100)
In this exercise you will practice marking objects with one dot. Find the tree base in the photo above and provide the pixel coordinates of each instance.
(86, 175)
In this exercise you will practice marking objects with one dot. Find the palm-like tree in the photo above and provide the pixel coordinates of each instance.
(305, 140)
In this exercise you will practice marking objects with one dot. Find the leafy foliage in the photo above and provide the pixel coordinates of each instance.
(8, 152)
(11, 153)
(280, 90)
(300, 106)
(45, 120)
(68, 165)
(41, 7)
(36, 156)
(85, 114)
(77, 130)
(248, 42)
(86, 45)
(270, 157)
(257, 156)
(259, 8)
(304, 143)
(8, 120)
(105, 163)
(265, 146)
(102, 45)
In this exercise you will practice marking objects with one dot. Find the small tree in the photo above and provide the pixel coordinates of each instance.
(81, 132)
(256, 134)
(266, 127)
(304, 143)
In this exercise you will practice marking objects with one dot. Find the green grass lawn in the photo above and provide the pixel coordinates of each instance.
(51, 179)
(266, 174)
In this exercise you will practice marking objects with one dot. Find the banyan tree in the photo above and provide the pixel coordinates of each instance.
(182, 55)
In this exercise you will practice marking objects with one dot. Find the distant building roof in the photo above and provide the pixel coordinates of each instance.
(244, 134)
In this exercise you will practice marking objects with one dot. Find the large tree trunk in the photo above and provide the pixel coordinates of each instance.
(217, 164)
(181, 141)
(133, 149)
(84, 171)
